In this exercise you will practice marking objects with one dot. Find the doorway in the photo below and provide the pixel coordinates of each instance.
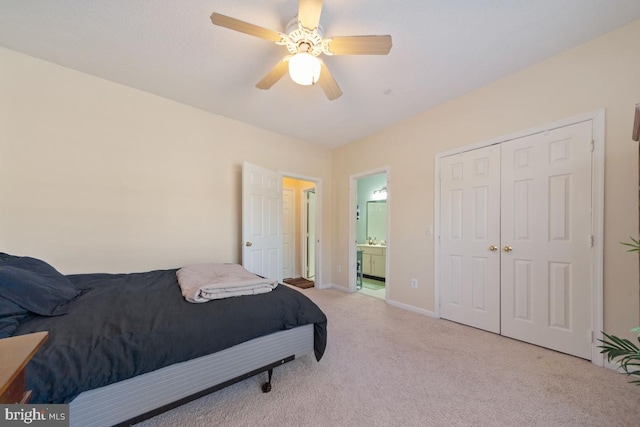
(263, 222)
(299, 232)
(517, 223)
(370, 253)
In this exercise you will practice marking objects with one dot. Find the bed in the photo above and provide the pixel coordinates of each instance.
(124, 347)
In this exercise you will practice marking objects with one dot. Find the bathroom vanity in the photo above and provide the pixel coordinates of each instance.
(373, 260)
(374, 251)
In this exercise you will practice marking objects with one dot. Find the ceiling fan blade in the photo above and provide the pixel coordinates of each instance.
(309, 13)
(274, 75)
(329, 84)
(360, 45)
(245, 27)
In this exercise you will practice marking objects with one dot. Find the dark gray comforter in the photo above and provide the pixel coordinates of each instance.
(124, 325)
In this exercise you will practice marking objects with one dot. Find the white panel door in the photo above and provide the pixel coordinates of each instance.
(262, 221)
(470, 237)
(546, 239)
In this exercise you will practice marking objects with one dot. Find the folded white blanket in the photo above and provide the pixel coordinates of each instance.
(205, 282)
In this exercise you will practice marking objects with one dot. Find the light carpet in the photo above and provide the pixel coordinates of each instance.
(385, 366)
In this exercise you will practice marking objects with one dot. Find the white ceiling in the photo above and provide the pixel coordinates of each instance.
(441, 49)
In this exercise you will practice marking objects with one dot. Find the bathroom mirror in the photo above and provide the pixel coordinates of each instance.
(377, 220)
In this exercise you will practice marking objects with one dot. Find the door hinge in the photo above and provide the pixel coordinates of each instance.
(591, 336)
(593, 145)
(591, 241)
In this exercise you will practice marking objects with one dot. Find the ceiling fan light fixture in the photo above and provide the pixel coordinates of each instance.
(304, 68)
(305, 41)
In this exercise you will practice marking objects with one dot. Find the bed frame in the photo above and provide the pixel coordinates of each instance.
(144, 396)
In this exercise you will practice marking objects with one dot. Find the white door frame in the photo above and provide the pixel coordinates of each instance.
(318, 283)
(353, 201)
(292, 225)
(304, 201)
(597, 190)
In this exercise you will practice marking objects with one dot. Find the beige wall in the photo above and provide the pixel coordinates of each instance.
(604, 73)
(96, 176)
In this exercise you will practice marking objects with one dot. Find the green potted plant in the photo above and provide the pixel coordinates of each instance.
(625, 353)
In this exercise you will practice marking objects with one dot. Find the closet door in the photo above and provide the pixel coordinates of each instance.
(546, 244)
(470, 238)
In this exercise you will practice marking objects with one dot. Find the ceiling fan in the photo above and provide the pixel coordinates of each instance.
(305, 41)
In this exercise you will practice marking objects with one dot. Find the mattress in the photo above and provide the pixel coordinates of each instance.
(126, 325)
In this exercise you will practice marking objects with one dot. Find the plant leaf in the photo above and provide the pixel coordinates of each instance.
(635, 246)
(624, 352)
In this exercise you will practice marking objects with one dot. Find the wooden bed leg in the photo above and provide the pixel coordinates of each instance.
(266, 387)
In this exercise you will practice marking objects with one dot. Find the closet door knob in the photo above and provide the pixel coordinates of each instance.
(493, 248)
(507, 248)
(248, 243)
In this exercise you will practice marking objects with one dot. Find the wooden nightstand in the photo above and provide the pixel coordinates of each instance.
(15, 353)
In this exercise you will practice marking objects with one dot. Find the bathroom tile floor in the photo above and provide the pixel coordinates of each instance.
(375, 289)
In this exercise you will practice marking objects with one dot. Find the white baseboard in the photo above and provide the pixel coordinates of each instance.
(614, 366)
(390, 302)
(338, 287)
(412, 308)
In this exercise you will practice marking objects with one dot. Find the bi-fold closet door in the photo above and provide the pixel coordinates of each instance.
(516, 238)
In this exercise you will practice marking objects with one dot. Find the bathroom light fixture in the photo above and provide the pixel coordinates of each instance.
(380, 194)
(304, 68)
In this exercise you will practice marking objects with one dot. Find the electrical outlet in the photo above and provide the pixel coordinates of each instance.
(414, 283)
(339, 268)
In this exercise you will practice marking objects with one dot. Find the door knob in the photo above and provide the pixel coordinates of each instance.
(507, 248)
(248, 244)
(493, 248)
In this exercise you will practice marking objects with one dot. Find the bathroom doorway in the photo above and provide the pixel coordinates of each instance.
(371, 235)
